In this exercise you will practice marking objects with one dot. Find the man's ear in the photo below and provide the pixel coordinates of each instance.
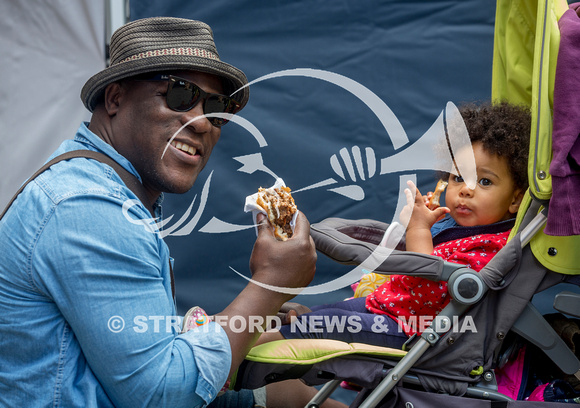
(517, 200)
(113, 93)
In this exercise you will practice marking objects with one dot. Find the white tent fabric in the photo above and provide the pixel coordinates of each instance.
(49, 48)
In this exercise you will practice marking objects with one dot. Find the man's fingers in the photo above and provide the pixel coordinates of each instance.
(290, 311)
(297, 307)
(289, 317)
(261, 217)
(302, 227)
(263, 224)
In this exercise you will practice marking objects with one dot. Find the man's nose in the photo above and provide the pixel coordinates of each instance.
(195, 120)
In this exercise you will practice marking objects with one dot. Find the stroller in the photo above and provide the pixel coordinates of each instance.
(447, 366)
(444, 359)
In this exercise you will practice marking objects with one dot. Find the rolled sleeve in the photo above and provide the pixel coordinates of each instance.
(212, 355)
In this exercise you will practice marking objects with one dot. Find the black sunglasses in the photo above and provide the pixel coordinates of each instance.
(183, 95)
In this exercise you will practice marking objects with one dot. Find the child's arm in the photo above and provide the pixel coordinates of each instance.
(420, 220)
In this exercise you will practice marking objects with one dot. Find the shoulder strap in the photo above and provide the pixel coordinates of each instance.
(129, 179)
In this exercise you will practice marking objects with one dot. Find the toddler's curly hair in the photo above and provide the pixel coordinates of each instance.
(504, 130)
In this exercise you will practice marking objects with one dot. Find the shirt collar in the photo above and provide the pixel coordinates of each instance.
(85, 136)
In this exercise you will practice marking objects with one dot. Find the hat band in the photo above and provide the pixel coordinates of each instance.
(196, 52)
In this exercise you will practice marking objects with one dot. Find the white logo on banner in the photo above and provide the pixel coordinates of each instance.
(349, 166)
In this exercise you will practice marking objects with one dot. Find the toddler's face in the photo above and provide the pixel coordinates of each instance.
(495, 197)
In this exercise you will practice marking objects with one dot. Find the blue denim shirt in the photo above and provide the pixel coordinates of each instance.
(87, 317)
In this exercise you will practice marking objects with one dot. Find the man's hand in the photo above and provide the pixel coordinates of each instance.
(290, 311)
(286, 264)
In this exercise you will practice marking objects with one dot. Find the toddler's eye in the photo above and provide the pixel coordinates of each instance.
(458, 179)
(485, 182)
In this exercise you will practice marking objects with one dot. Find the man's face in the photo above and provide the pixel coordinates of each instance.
(144, 127)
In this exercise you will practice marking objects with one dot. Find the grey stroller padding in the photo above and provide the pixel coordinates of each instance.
(352, 242)
(355, 242)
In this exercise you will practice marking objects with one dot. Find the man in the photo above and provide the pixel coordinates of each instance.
(85, 294)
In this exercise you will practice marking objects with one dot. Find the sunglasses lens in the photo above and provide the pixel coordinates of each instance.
(219, 104)
(182, 95)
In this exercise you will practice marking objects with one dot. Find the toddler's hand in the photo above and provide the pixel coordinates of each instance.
(416, 214)
(427, 197)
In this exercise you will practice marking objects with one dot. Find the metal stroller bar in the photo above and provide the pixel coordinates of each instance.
(429, 337)
(533, 227)
(325, 392)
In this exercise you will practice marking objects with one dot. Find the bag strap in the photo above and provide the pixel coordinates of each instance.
(129, 179)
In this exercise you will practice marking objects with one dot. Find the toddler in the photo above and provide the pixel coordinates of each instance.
(470, 229)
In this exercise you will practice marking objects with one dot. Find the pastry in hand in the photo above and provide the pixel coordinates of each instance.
(280, 207)
(434, 200)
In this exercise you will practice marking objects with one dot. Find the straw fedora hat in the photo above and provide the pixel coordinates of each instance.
(163, 44)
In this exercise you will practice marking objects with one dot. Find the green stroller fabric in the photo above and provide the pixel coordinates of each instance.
(526, 47)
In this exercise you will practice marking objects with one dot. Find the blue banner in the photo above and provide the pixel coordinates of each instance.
(340, 88)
